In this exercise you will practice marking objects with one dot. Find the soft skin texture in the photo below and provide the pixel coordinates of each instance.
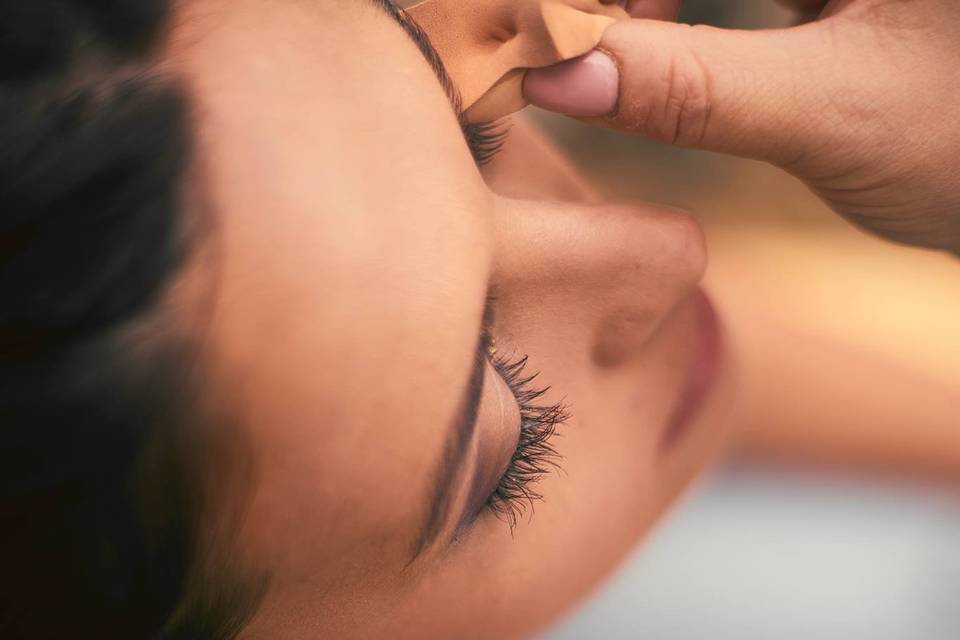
(339, 305)
(859, 104)
(354, 244)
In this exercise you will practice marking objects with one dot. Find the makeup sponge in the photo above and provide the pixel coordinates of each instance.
(488, 45)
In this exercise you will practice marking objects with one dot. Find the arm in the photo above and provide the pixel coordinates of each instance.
(814, 389)
(859, 104)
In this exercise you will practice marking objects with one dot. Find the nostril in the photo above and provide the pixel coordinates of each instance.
(502, 34)
(620, 336)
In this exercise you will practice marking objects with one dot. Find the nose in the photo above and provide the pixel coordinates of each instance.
(601, 278)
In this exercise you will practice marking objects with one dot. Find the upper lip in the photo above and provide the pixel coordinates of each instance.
(701, 371)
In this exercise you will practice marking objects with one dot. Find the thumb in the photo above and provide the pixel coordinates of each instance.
(749, 93)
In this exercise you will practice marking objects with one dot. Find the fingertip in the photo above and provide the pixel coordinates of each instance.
(586, 86)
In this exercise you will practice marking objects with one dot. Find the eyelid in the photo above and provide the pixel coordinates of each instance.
(481, 487)
(502, 412)
(534, 455)
(497, 443)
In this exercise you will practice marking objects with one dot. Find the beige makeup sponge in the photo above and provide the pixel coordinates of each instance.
(487, 45)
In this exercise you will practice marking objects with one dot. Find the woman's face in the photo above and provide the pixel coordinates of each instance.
(360, 257)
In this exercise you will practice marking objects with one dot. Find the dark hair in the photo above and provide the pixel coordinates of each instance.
(99, 514)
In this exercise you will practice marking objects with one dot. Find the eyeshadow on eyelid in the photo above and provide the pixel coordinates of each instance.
(498, 435)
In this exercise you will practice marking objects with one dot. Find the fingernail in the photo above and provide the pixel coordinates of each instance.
(585, 86)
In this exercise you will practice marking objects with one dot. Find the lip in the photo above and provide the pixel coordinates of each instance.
(702, 370)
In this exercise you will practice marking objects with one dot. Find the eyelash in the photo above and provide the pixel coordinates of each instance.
(534, 455)
(485, 139)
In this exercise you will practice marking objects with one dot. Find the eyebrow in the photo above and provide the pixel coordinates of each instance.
(459, 434)
(422, 40)
(464, 422)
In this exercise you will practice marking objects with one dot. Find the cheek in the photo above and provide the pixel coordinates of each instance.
(618, 476)
(615, 482)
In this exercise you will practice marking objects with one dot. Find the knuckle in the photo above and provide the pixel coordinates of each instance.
(682, 116)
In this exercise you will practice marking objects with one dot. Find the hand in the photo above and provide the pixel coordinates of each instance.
(863, 104)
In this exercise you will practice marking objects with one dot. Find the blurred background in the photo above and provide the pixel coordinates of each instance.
(770, 554)
(761, 552)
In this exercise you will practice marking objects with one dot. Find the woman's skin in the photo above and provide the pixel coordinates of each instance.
(806, 395)
(356, 243)
(354, 250)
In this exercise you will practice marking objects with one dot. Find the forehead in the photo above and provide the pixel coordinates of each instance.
(350, 255)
